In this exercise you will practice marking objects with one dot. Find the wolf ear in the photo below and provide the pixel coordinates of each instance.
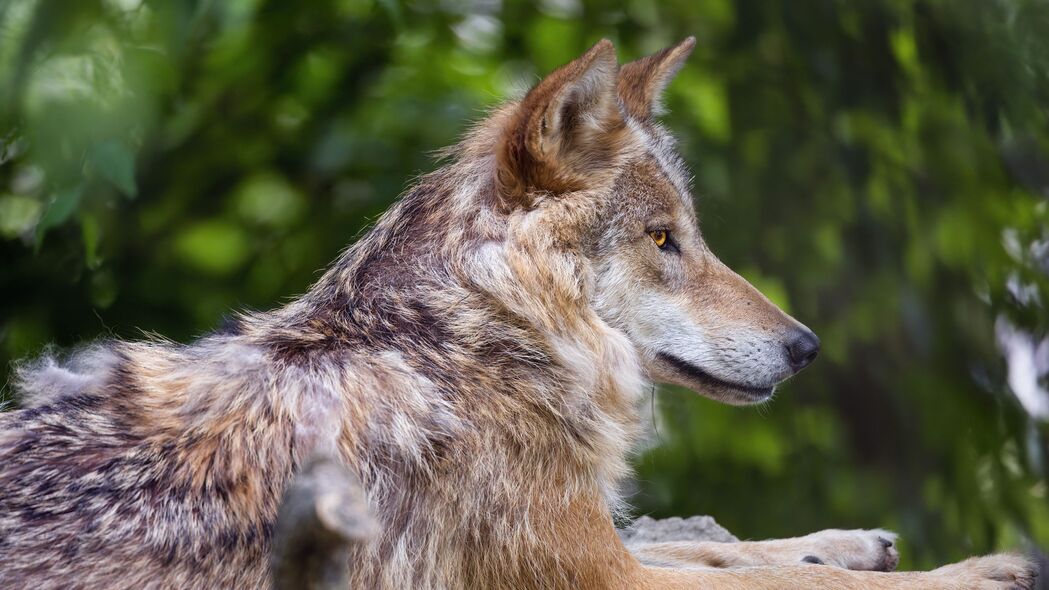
(642, 82)
(566, 131)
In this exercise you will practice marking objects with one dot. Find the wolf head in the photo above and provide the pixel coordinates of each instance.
(587, 133)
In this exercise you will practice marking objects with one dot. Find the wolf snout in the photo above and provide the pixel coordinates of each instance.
(802, 348)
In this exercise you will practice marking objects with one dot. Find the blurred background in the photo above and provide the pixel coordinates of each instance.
(880, 169)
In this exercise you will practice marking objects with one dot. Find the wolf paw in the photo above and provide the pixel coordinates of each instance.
(873, 550)
(993, 572)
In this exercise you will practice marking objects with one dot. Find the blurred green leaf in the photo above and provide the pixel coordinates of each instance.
(18, 214)
(216, 247)
(89, 228)
(114, 161)
(61, 206)
(268, 199)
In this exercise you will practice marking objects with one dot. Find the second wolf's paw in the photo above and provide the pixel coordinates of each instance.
(873, 550)
(993, 572)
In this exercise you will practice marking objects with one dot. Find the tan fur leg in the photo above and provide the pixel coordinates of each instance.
(872, 550)
(593, 555)
(995, 572)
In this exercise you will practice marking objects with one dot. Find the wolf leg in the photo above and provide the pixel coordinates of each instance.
(576, 546)
(872, 550)
(994, 572)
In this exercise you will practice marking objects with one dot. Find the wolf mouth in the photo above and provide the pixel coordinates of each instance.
(687, 368)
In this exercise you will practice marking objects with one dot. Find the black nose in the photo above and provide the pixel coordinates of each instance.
(802, 349)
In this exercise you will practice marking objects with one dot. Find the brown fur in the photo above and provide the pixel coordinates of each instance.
(641, 83)
(567, 134)
(478, 359)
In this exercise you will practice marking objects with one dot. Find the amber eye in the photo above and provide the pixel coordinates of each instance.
(660, 237)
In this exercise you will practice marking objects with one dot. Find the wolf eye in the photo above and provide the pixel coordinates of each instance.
(659, 236)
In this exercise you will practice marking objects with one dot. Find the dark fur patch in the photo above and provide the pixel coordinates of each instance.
(230, 325)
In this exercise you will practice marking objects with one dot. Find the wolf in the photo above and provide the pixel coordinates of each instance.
(477, 360)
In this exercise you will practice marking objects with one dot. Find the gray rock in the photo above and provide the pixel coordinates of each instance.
(694, 528)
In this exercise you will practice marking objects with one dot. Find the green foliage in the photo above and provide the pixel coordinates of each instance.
(877, 167)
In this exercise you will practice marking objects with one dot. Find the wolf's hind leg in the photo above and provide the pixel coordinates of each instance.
(870, 550)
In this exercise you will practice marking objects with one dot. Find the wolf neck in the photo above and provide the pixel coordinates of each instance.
(489, 306)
